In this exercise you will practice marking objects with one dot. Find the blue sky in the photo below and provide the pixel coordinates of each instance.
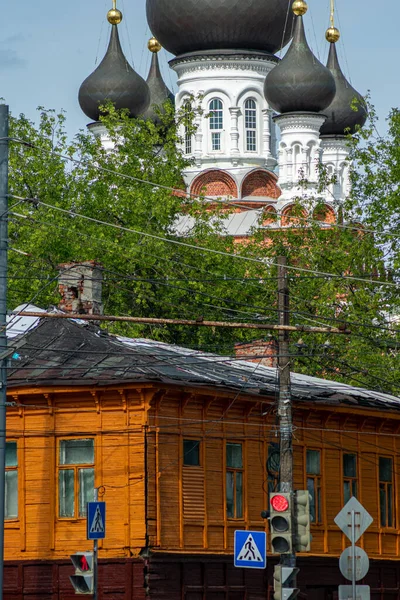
(48, 47)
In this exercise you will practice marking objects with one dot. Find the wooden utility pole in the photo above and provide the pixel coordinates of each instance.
(284, 405)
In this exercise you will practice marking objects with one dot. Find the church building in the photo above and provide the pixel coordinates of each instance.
(266, 125)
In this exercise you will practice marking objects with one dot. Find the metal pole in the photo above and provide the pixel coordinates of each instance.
(353, 555)
(284, 404)
(3, 316)
(95, 554)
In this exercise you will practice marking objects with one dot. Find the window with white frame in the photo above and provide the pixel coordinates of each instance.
(75, 477)
(11, 482)
(216, 116)
(250, 124)
(188, 134)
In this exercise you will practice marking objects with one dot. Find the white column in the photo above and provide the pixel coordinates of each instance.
(335, 154)
(298, 129)
(266, 132)
(234, 131)
(198, 140)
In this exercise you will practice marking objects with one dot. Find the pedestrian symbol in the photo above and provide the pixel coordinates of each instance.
(97, 523)
(96, 520)
(250, 549)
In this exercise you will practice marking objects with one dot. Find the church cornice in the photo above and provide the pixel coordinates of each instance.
(299, 121)
(243, 61)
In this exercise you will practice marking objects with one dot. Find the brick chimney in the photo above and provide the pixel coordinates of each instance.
(264, 352)
(80, 286)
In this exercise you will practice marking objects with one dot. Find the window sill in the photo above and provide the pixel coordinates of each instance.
(11, 524)
(70, 519)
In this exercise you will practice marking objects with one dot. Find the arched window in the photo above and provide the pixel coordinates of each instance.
(216, 122)
(250, 124)
(188, 135)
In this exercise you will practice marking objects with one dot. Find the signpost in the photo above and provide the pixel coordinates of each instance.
(96, 530)
(250, 549)
(353, 520)
(346, 563)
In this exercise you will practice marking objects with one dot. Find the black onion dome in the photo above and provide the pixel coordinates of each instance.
(191, 25)
(159, 92)
(299, 82)
(347, 110)
(116, 81)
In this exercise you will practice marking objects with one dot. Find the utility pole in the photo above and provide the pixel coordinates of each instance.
(3, 317)
(284, 404)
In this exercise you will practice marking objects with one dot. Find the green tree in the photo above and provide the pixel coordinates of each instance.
(146, 276)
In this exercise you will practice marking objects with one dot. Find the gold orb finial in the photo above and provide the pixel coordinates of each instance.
(299, 7)
(332, 34)
(114, 16)
(154, 45)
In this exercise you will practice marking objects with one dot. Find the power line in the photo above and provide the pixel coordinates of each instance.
(264, 262)
(181, 192)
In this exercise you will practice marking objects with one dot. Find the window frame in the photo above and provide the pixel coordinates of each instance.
(76, 468)
(247, 129)
(351, 480)
(316, 478)
(238, 473)
(12, 469)
(199, 443)
(391, 494)
(188, 137)
(216, 124)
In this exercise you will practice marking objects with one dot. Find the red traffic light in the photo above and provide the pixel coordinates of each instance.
(83, 563)
(279, 503)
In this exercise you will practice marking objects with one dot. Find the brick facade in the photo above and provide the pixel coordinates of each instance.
(293, 215)
(260, 184)
(325, 214)
(258, 351)
(214, 183)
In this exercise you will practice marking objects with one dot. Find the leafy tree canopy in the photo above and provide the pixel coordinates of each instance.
(148, 276)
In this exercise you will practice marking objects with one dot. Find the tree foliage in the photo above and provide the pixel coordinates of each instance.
(147, 276)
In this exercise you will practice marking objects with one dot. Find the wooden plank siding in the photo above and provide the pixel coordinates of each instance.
(156, 500)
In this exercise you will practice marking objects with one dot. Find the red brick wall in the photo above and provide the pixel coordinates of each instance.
(259, 351)
(260, 183)
(325, 214)
(214, 183)
(293, 215)
(270, 216)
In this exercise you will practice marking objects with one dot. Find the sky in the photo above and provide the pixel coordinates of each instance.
(48, 47)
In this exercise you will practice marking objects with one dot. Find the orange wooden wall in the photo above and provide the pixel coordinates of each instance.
(185, 506)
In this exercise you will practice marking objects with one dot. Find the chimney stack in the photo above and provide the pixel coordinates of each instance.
(80, 286)
(264, 352)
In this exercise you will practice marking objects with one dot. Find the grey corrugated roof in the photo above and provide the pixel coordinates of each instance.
(70, 352)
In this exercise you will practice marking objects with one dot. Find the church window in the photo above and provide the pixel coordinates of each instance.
(216, 122)
(250, 124)
(188, 134)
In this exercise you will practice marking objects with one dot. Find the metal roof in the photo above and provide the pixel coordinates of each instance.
(71, 352)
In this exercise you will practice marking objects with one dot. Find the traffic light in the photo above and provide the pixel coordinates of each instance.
(302, 521)
(281, 522)
(82, 581)
(284, 582)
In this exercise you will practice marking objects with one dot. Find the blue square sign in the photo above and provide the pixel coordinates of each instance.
(250, 549)
(96, 520)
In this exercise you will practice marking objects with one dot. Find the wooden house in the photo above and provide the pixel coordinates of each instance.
(183, 448)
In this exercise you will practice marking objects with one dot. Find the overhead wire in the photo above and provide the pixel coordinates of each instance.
(264, 262)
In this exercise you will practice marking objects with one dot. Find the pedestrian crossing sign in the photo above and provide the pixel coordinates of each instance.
(250, 549)
(96, 520)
